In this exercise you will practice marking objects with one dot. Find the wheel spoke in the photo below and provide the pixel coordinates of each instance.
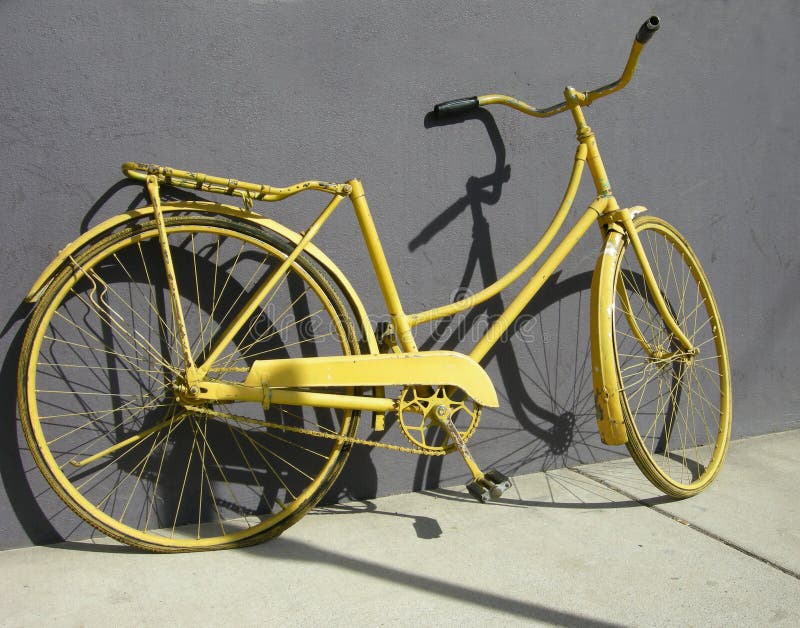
(676, 401)
(104, 367)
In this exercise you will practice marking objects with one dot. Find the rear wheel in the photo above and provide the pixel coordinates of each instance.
(677, 403)
(97, 388)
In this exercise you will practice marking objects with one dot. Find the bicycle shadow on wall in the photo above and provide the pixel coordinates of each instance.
(547, 414)
(552, 422)
(549, 396)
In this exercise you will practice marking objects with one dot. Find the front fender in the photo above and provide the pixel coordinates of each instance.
(605, 379)
(110, 225)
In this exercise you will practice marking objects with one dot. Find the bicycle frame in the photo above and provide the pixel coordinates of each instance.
(403, 323)
(446, 368)
(604, 209)
(277, 381)
(127, 367)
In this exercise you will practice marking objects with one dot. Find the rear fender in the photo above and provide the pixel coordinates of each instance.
(107, 227)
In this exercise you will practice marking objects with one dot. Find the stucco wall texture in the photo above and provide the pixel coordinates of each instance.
(279, 91)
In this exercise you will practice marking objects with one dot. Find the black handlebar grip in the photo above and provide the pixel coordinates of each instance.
(648, 29)
(455, 107)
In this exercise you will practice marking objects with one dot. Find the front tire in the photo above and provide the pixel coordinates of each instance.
(676, 404)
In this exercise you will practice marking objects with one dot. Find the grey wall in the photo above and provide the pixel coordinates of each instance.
(279, 91)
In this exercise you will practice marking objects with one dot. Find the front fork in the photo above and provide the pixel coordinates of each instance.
(626, 218)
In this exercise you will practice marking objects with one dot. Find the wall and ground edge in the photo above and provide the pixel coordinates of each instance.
(280, 91)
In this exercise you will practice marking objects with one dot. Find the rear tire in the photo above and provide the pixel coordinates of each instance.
(97, 372)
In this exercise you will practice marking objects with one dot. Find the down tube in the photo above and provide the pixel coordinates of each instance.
(499, 327)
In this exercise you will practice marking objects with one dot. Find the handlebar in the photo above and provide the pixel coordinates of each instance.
(461, 106)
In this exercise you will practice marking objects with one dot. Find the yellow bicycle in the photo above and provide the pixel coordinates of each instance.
(193, 373)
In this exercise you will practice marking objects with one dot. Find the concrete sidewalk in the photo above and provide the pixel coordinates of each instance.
(589, 546)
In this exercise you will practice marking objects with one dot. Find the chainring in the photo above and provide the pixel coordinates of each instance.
(422, 411)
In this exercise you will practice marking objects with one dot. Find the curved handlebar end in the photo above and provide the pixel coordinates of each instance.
(455, 107)
(648, 29)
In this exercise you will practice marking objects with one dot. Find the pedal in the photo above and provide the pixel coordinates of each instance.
(479, 492)
(501, 482)
(491, 486)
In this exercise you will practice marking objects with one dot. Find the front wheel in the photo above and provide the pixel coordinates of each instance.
(676, 403)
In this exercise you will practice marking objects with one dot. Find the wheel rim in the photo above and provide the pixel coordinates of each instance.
(103, 362)
(677, 402)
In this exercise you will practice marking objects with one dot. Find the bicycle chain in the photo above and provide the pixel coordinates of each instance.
(301, 430)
